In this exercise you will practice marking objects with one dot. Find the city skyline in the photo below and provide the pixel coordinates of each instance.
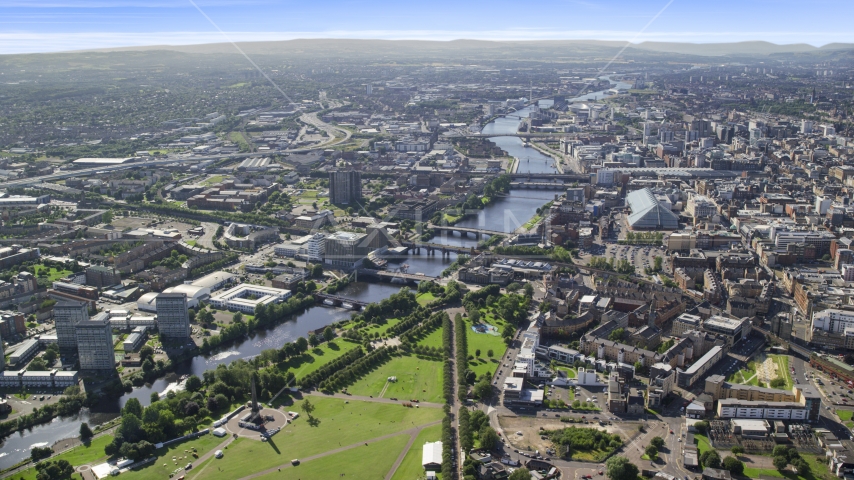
(50, 26)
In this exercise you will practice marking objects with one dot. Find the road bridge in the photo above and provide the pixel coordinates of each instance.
(538, 185)
(339, 301)
(464, 231)
(432, 248)
(385, 274)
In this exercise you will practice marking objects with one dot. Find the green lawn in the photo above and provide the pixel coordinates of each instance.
(340, 424)
(703, 444)
(380, 328)
(203, 445)
(411, 467)
(425, 298)
(78, 456)
(818, 470)
(52, 273)
(844, 414)
(317, 357)
(416, 378)
(191, 243)
(570, 372)
(364, 462)
(783, 371)
(485, 342)
(214, 179)
(434, 339)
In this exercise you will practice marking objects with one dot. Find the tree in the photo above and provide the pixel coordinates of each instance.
(711, 459)
(620, 468)
(307, 407)
(529, 290)
(734, 465)
(38, 453)
(651, 452)
(780, 462)
(193, 384)
(154, 397)
(38, 364)
(737, 450)
(490, 353)
(237, 317)
(483, 389)
(488, 438)
(513, 287)
(657, 442)
(133, 407)
(85, 431)
(328, 334)
(146, 352)
(521, 474)
(313, 340)
(477, 353)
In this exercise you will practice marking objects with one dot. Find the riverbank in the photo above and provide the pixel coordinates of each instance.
(557, 156)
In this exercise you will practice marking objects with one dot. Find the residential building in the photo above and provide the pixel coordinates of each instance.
(67, 314)
(173, 319)
(345, 187)
(95, 343)
(100, 277)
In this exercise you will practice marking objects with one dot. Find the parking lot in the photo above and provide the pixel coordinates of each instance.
(640, 256)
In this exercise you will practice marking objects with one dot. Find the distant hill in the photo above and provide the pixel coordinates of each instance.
(465, 48)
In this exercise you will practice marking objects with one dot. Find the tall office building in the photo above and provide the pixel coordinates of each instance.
(95, 343)
(67, 314)
(345, 188)
(173, 319)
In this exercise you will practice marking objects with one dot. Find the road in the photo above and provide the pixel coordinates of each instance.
(206, 240)
(331, 130)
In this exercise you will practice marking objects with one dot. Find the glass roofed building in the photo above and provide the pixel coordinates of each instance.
(648, 213)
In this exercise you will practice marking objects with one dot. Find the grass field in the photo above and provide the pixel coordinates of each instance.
(317, 357)
(52, 273)
(380, 328)
(425, 298)
(203, 445)
(191, 243)
(364, 462)
(434, 339)
(703, 444)
(341, 424)
(416, 378)
(745, 376)
(570, 372)
(818, 471)
(485, 342)
(79, 456)
(844, 414)
(783, 371)
(214, 179)
(411, 467)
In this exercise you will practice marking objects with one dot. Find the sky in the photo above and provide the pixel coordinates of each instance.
(29, 26)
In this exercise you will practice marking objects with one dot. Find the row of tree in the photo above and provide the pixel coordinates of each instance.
(461, 341)
(357, 369)
(328, 369)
